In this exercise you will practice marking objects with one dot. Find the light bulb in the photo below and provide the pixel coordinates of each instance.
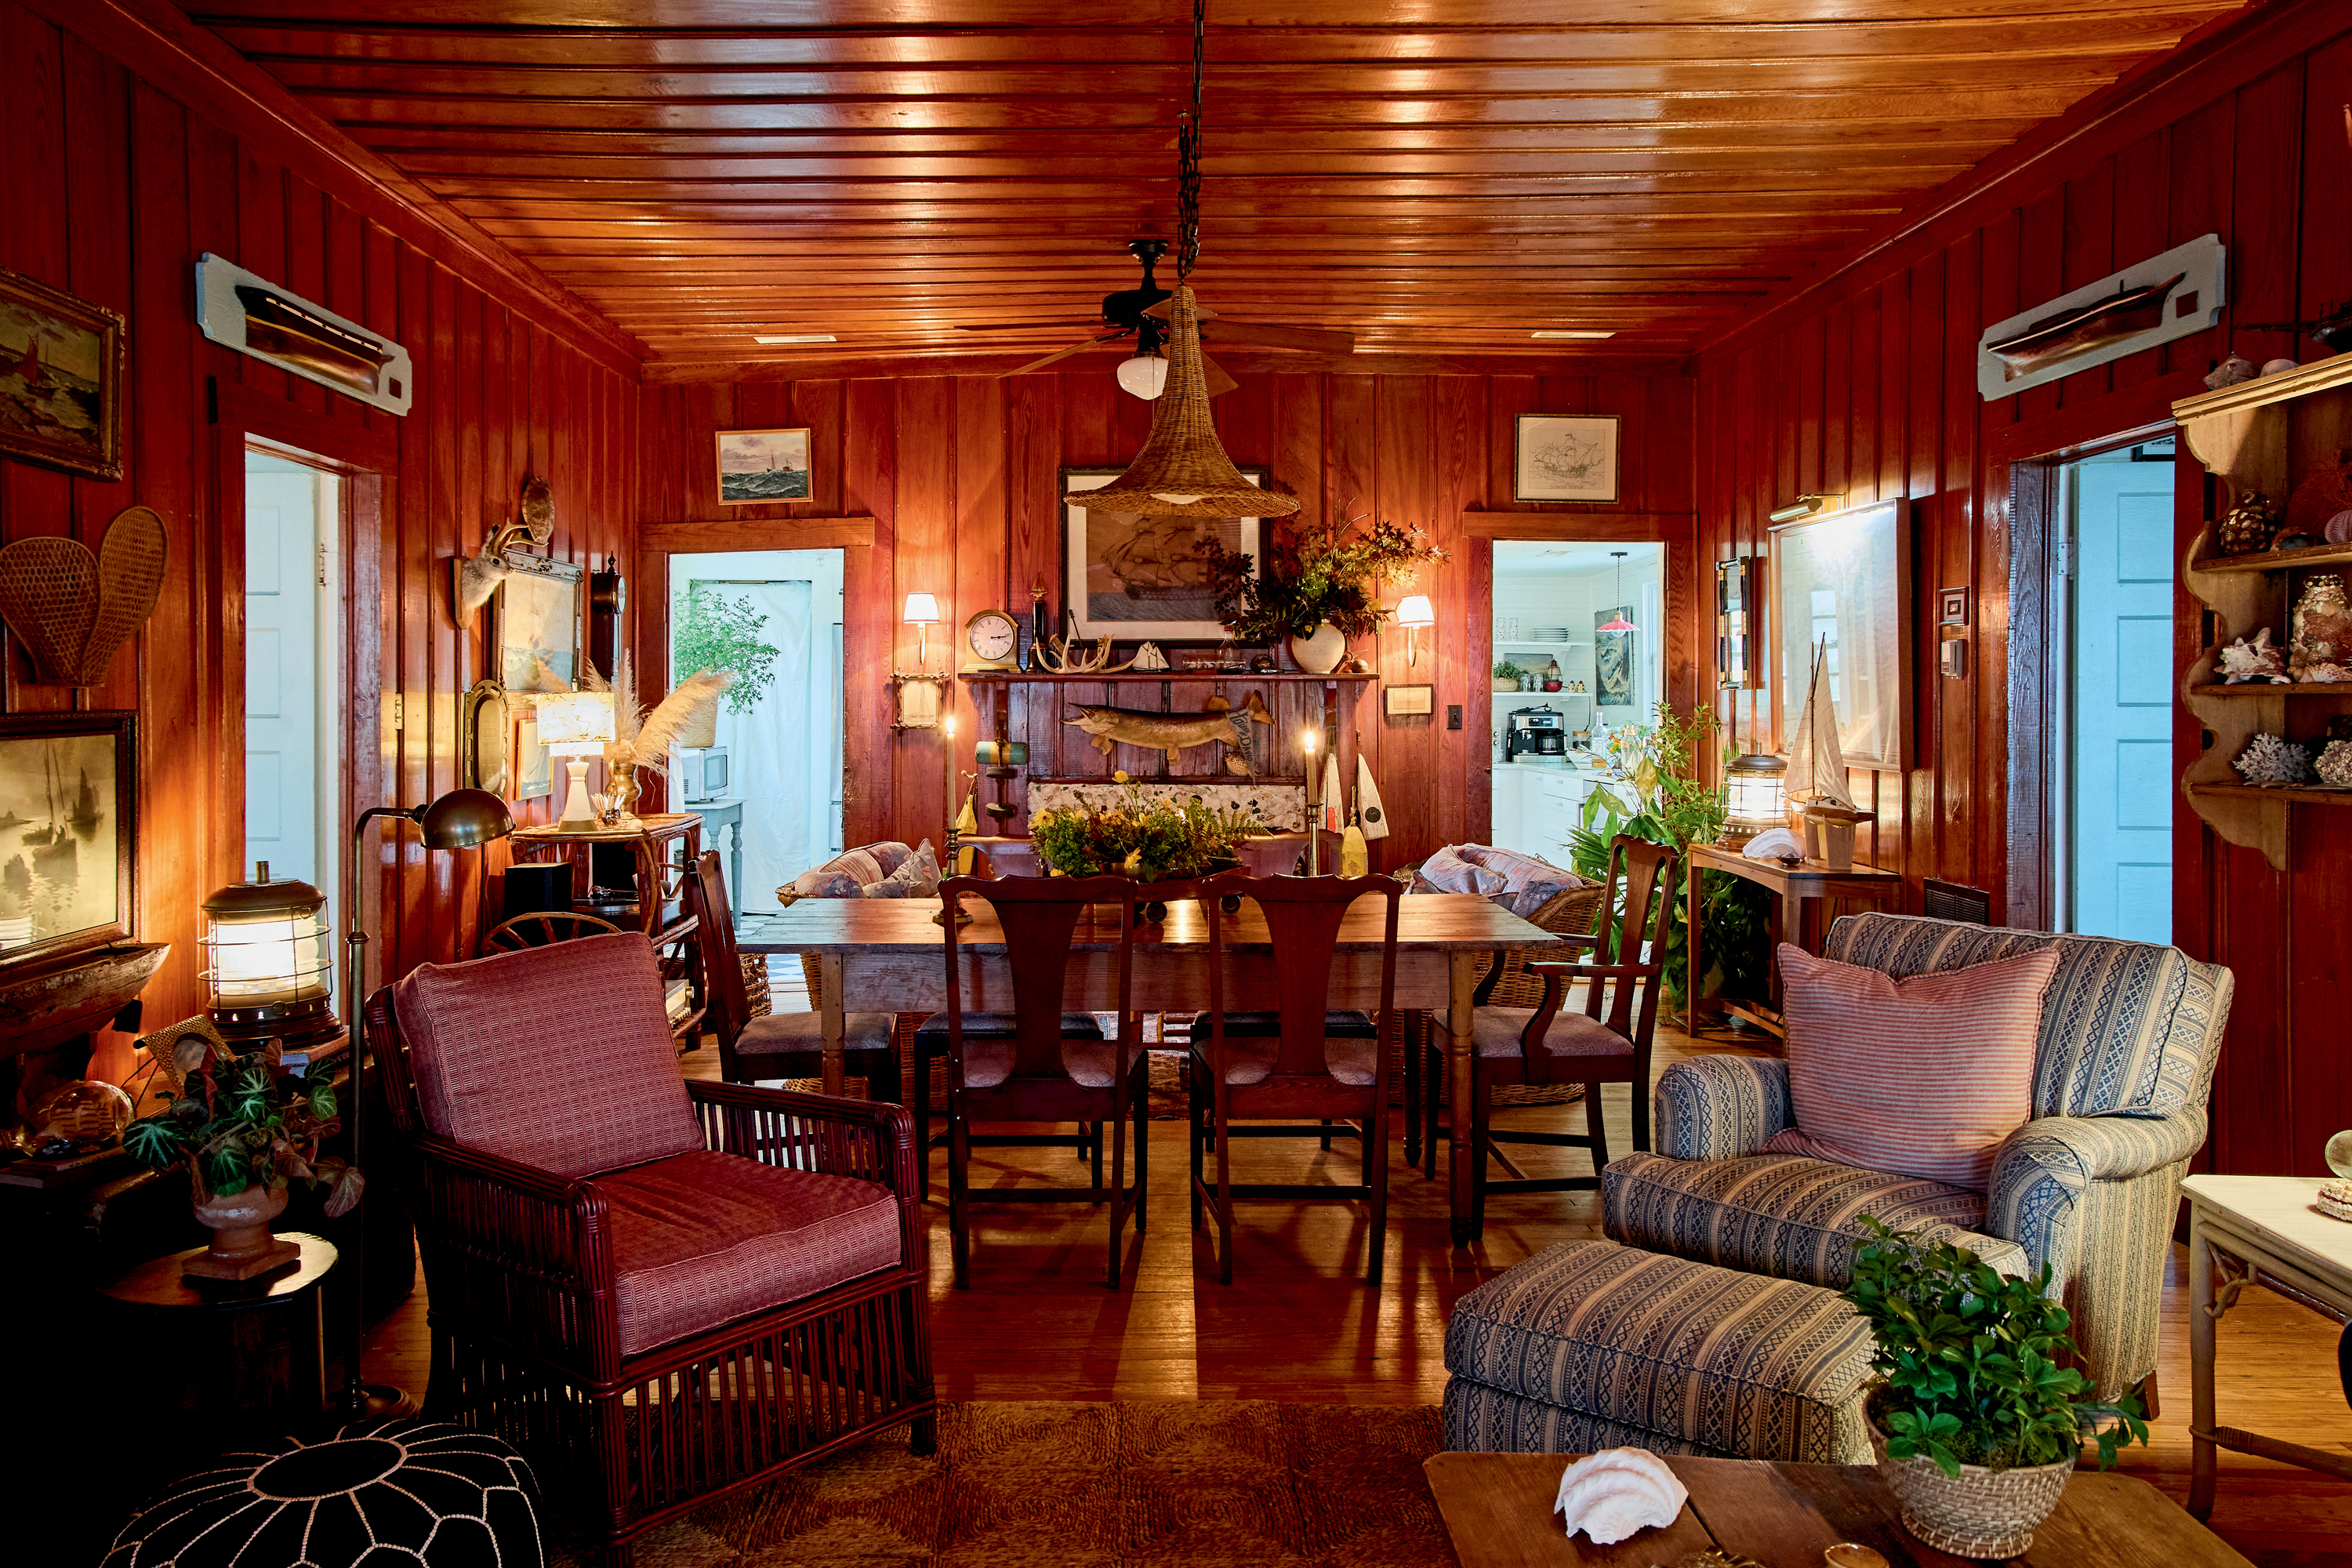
(1177, 498)
(1146, 375)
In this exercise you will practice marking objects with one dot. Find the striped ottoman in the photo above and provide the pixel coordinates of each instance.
(1591, 1345)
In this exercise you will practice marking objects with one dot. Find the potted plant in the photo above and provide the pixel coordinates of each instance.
(1982, 1414)
(716, 632)
(244, 1126)
(1151, 841)
(1508, 676)
(1320, 587)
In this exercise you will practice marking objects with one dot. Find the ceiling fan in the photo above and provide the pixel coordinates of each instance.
(1141, 313)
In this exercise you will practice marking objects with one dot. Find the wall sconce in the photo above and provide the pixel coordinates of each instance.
(269, 971)
(922, 614)
(576, 725)
(918, 695)
(1413, 612)
(1804, 506)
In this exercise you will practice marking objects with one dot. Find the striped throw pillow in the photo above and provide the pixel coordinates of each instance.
(1922, 1077)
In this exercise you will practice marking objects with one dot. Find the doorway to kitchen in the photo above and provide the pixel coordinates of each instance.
(294, 683)
(1578, 638)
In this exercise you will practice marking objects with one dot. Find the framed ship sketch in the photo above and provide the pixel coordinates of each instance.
(1566, 457)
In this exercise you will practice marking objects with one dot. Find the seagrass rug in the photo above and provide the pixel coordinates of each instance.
(1219, 1483)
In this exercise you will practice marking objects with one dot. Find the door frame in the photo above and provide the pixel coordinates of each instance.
(2039, 659)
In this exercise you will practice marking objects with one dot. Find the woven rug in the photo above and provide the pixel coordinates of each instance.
(1215, 1483)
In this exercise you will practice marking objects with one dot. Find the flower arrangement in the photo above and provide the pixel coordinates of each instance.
(1327, 573)
(1978, 1365)
(238, 1120)
(1152, 841)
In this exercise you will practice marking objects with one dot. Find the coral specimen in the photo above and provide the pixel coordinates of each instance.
(2273, 760)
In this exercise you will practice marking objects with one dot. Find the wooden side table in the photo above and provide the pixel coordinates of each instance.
(2256, 1230)
(1792, 888)
(663, 846)
(244, 1358)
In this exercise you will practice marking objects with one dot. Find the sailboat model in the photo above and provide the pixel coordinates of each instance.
(1817, 793)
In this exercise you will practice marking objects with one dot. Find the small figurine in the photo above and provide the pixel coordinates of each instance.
(2244, 662)
(2232, 371)
(1149, 657)
(2321, 629)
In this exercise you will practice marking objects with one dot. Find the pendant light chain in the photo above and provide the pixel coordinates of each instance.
(1188, 156)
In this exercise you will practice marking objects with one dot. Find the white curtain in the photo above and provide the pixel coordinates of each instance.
(772, 751)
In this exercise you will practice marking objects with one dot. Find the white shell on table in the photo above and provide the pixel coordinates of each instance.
(1612, 1495)
(2279, 366)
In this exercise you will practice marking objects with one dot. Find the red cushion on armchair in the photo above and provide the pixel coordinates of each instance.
(702, 1240)
(481, 1048)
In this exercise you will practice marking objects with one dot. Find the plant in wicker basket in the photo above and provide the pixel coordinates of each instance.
(1982, 1413)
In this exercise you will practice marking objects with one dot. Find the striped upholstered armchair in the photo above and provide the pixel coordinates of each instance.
(2129, 1035)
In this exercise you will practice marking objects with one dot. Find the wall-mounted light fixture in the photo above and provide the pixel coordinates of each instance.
(1803, 506)
(1413, 612)
(922, 613)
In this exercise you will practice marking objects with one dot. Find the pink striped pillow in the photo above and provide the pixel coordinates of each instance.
(1922, 1077)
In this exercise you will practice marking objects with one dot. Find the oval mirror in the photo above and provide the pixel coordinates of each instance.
(482, 738)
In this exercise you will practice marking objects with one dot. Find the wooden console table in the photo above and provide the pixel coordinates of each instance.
(1792, 888)
(2266, 1231)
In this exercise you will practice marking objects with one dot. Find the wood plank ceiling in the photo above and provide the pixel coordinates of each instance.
(1440, 176)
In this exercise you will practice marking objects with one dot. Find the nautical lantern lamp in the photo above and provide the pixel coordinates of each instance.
(1756, 789)
(576, 724)
(270, 970)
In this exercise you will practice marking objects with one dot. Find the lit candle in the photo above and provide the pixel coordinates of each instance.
(1314, 838)
(946, 727)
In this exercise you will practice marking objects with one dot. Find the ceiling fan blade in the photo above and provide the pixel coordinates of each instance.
(1214, 378)
(1314, 337)
(1054, 358)
(1079, 321)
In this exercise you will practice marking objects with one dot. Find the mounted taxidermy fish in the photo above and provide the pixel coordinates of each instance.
(1172, 732)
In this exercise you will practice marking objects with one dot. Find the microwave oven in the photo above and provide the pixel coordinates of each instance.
(706, 777)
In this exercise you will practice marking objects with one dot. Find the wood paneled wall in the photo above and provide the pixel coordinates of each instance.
(959, 474)
(1866, 388)
(110, 186)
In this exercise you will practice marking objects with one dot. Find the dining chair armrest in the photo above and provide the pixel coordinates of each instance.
(873, 1140)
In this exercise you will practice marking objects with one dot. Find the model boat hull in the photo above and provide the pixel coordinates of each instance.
(2087, 327)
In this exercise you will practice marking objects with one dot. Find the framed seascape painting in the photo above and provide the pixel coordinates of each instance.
(538, 623)
(757, 467)
(531, 773)
(1134, 577)
(67, 794)
(1840, 585)
(60, 379)
(1612, 659)
(1566, 457)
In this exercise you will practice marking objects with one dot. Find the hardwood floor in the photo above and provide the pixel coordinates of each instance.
(1298, 1324)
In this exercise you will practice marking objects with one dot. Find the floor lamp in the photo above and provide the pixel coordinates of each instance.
(462, 819)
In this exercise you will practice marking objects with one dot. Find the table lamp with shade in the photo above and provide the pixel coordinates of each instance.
(461, 820)
(575, 725)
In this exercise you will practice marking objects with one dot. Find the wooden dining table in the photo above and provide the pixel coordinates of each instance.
(883, 955)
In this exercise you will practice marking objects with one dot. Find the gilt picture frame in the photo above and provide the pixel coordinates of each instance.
(540, 606)
(1843, 580)
(1565, 457)
(1134, 578)
(60, 379)
(68, 833)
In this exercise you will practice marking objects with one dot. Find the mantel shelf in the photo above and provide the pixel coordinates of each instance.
(2299, 794)
(2295, 688)
(2278, 559)
(1180, 676)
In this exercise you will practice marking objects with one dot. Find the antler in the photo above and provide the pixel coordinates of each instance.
(1062, 658)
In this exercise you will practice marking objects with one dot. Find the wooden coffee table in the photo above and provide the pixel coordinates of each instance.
(1498, 1511)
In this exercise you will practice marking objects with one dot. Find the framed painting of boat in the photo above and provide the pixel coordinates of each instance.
(2163, 298)
(760, 468)
(60, 379)
(67, 792)
(1138, 577)
(1841, 597)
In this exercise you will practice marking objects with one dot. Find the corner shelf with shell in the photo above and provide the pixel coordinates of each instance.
(2268, 436)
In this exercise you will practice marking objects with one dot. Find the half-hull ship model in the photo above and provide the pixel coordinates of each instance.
(280, 327)
(2086, 327)
(1820, 809)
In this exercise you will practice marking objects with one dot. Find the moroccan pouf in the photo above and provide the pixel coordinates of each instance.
(1591, 1345)
(386, 1495)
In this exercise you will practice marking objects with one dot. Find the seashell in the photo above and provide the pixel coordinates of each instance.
(2273, 760)
(2339, 1154)
(2232, 371)
(2334, 767)
(2279, 366)
(2339, 527)
(2244, 661)
(1611, 1495)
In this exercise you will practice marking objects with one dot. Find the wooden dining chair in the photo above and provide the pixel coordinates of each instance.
(1047, 1066)
(1609, 1042)
(1302, 1070)
(776, 1044)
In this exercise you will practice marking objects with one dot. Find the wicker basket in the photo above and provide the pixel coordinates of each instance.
(903, 1033)
(1978, 1513)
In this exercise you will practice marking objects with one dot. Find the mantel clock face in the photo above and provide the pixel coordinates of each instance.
(994, 637)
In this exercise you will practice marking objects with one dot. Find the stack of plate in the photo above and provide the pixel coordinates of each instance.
(1551, 634)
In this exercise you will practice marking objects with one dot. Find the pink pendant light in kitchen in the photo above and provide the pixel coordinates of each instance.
(1618, 623)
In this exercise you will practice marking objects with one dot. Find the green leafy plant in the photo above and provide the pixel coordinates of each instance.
(1507, 670)
(1978, 1366)
(1329, 572)
(1151, 840)
(237, 1121)
(1658, 763)
(715, 631)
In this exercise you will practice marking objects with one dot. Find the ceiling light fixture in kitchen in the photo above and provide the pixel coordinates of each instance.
(1618, 623)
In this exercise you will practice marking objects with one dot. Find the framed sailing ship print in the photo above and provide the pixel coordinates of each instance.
(1841, 593)
(67, 794)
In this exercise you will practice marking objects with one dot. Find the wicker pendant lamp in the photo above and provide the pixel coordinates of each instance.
(1183, 471)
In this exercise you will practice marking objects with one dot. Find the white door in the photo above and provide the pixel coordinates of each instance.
(291, 594)
(2120, 842)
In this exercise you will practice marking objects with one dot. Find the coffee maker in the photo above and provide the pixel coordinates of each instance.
(1533, 732)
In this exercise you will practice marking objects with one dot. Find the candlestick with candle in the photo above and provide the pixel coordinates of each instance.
(947, 857)
(1314, 808)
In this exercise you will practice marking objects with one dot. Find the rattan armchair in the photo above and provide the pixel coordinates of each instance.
(664, 1291)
